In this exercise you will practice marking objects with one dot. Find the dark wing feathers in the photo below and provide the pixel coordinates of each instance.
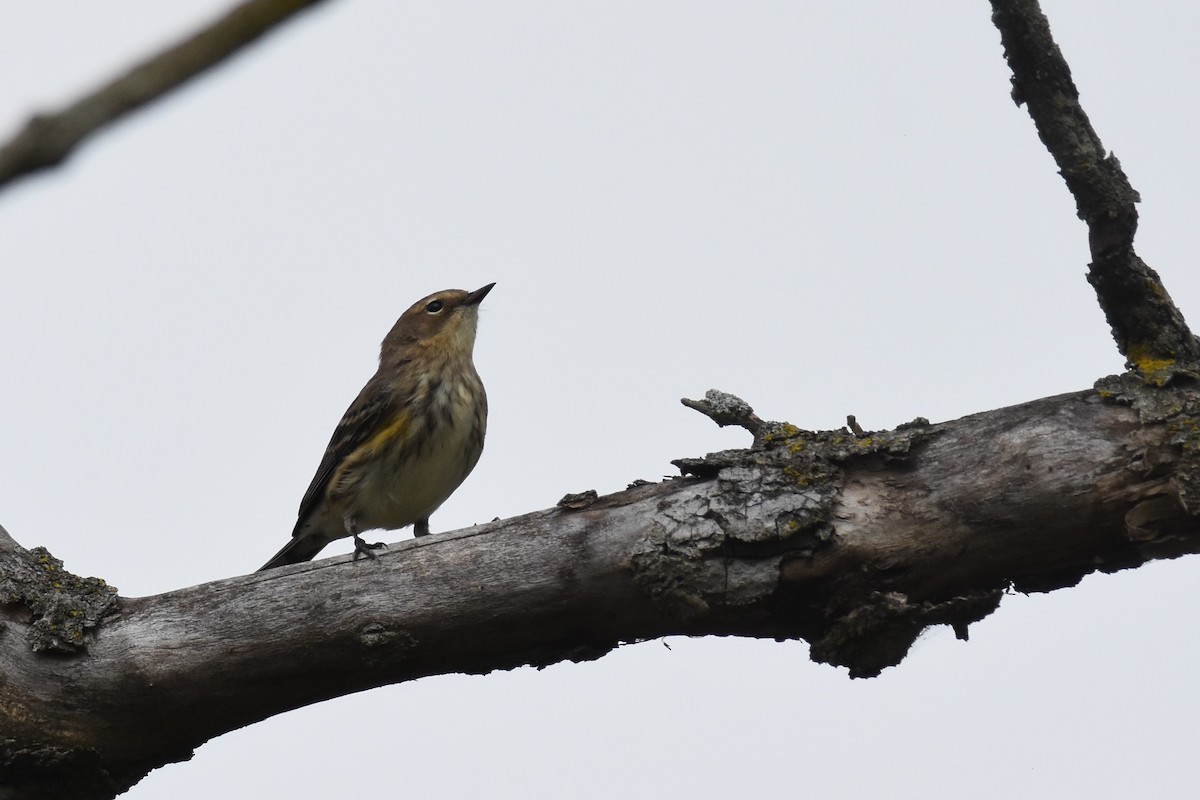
(366, 415)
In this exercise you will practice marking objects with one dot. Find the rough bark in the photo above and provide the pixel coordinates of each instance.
(855, 543)
(1149, 329)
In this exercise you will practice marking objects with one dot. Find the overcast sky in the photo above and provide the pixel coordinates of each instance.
(825, 208)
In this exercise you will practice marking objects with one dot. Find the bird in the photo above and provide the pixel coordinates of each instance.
(408, 440)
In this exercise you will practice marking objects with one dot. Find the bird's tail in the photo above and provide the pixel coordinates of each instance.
(300, 548)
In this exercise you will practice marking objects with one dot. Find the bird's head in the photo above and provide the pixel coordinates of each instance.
(444, 321)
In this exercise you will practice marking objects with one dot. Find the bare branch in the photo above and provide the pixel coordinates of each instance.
(933, 525)
(47, 139)
(1149, 330)
(726, 409)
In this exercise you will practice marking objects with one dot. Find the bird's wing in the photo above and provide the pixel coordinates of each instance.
(367, 416)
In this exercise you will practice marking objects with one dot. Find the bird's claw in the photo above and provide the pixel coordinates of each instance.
(361, 548)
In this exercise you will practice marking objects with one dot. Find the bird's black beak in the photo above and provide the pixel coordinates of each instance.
(476, 297)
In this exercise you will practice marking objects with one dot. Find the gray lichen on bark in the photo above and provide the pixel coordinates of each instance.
(713, 551)
(706, 551)
(63, 606)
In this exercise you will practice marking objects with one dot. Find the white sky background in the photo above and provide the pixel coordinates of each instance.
(823, 208)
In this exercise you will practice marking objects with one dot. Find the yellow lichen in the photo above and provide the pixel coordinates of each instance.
(1154, 370)
(786, 430)
(799, 476)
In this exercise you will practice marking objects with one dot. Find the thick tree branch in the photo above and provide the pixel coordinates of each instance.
(47, 139)
(1149, 330)
(853, 543)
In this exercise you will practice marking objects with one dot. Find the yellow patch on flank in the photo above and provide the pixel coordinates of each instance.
(393, 432)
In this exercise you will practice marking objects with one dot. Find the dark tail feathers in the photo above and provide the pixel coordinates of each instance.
(300, 548)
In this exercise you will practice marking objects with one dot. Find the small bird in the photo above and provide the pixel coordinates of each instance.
(408, 440)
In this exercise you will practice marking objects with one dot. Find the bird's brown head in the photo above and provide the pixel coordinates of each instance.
(444, 322)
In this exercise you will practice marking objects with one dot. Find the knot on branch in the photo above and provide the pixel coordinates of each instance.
(62, 606)
(726, 409)
(718, 547)
(807, 457)
(879, 634)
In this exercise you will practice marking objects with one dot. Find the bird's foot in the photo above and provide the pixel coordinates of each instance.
(361, 548)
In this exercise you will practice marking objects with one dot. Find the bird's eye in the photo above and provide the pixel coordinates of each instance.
(434, 306)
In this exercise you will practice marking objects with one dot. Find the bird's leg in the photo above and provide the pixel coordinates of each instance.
(421, 527)
(360, 547)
